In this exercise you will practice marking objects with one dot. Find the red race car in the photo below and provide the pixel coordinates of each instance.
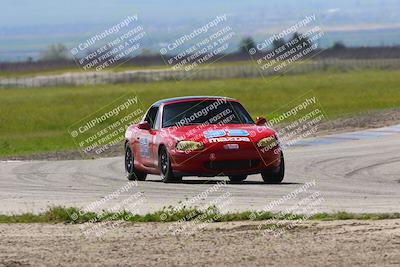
(202, 136)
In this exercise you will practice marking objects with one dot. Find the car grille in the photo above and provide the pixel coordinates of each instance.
(231, 164)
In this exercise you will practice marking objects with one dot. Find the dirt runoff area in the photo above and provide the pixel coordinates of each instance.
(309, 243)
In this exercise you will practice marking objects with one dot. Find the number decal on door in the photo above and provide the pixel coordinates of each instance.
(144, 147)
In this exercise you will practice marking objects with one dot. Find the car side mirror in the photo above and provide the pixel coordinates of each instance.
(144, 125)
(261, 121)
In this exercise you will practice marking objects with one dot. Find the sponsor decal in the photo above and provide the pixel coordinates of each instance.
(231, 146)
(144, 147)
(214, 134)
(229, 139)
(238, 133)
(221, 133)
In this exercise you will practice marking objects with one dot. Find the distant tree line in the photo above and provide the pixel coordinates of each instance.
(57, 52)
(279, 44)
(57, 56)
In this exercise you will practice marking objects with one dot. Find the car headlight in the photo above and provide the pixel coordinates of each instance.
(268, 142)
(189, 145)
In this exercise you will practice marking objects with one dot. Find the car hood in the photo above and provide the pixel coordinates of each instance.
(202, 133)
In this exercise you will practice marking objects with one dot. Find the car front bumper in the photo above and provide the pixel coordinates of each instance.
(215, 160)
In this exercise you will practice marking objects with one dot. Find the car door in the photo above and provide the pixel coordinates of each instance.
(147, 137)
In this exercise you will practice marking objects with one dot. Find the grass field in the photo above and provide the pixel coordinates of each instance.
(70, 215)
(76, 69)
(118, 68)
(36, 120)
(326, 64)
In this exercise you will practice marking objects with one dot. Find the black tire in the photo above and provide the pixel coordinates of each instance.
(237, 178)
(275, 176)
(164, 162)
(130, 166)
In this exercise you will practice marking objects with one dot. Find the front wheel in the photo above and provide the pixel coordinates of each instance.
(166, 172)
(133, 174)
(275, 176)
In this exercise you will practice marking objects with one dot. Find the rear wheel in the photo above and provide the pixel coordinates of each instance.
(133, 174)
(237, 178)
(275, 176)
(166, 172)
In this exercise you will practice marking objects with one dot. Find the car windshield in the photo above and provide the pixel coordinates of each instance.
(219, 111)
